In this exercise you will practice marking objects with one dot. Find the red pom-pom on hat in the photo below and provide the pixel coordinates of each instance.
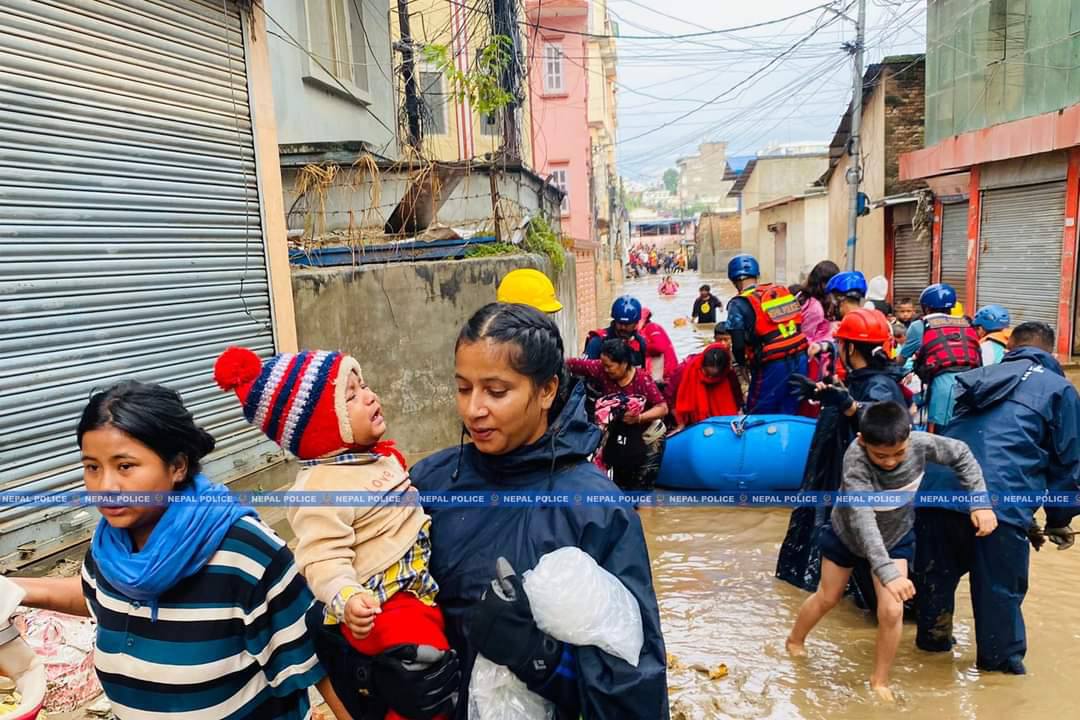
(235, 367)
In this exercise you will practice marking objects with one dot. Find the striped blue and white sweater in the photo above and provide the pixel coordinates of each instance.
(229, 642)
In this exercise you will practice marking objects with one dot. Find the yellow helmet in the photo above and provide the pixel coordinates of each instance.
(529, 287)
(958, 309)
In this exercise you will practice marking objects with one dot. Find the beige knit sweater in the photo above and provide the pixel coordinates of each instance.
(343, 546)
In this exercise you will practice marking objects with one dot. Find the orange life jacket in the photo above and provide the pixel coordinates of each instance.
(1001, 337)
(777, 323)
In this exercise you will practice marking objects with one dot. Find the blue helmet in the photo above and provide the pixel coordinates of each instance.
(743, 266)
(626, 309)
(939, 297)
(991, 318)
(849, 284)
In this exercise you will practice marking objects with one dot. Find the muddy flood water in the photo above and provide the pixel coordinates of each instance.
(720, 604)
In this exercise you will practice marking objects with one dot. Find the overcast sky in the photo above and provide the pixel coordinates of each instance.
(793, 89)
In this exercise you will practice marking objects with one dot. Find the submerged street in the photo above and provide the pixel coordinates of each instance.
(720, 604)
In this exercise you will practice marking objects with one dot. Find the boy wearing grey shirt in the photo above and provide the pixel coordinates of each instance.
(885, 457)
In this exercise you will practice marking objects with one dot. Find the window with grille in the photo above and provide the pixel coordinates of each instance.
(433, 95)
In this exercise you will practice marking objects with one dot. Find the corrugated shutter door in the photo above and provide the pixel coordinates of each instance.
(130, 228)
(911, 265)
(954, 243)
(1020, 259)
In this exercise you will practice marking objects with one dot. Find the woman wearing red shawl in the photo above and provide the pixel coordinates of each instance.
(708, 387)
(660, 360)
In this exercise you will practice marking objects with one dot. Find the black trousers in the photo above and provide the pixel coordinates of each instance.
(946, 549)
(346, 668)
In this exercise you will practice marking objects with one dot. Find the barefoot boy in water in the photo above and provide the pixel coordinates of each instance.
(885, 457)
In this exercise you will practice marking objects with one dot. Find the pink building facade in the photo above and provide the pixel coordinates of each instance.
(561, 145)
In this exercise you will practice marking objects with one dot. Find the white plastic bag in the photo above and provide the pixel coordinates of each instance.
(496, 693)
(575, 601)
(578, 602)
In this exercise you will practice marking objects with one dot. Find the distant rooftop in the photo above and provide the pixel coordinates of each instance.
(738, 163)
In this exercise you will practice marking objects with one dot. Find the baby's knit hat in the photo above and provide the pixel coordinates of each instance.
(297, 399)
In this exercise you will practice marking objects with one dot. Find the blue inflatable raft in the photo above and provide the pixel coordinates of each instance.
(754, 452)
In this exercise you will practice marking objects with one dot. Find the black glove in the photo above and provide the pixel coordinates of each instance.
(1035, 537)
(1063, 537)
(835, 396)
(417, 681)
(502, 628)
(803, 386)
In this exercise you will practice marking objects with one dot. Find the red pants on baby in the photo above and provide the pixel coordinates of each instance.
(404, 620)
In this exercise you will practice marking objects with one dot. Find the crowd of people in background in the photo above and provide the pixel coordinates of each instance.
(647, 259)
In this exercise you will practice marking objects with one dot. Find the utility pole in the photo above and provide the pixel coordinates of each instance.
(408, 75)
(504, 22)
(854, 173)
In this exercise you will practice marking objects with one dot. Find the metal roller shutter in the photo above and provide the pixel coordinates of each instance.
(911, 264)
(954, 244)
(130, 229)
(1020, 259)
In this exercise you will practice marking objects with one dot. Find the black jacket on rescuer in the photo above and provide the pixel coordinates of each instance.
(799, 562)
(466, 541)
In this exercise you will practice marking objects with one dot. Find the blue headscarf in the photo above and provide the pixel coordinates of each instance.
(179, 546)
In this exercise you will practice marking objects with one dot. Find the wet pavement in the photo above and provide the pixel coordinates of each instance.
(720, 604)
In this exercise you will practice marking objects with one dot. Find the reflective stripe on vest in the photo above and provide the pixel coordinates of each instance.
(777, 323)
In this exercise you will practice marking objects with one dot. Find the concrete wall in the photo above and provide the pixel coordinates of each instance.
(349, 201)
(718, 238)
(774, 178)
(309, 107)
(701, 178)
(805, 236)
(401, 322)
(816, 241)
(870, 250)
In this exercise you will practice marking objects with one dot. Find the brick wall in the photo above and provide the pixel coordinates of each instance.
(905, 109)
(718, 236)
(586, 296)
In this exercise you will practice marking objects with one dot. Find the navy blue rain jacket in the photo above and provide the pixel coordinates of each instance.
(1021, 419)
(466, 541)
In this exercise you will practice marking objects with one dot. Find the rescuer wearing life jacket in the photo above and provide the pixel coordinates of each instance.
(939, 346)
(625, 317)
(992, 324)
(765, 323)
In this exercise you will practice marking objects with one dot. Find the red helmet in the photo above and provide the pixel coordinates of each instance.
(864, 326)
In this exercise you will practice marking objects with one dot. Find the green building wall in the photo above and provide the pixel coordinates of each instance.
(994, 61)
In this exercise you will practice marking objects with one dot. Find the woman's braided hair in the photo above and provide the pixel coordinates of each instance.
(537, 346)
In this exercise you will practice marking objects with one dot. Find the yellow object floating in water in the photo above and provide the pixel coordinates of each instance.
(720, 671)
